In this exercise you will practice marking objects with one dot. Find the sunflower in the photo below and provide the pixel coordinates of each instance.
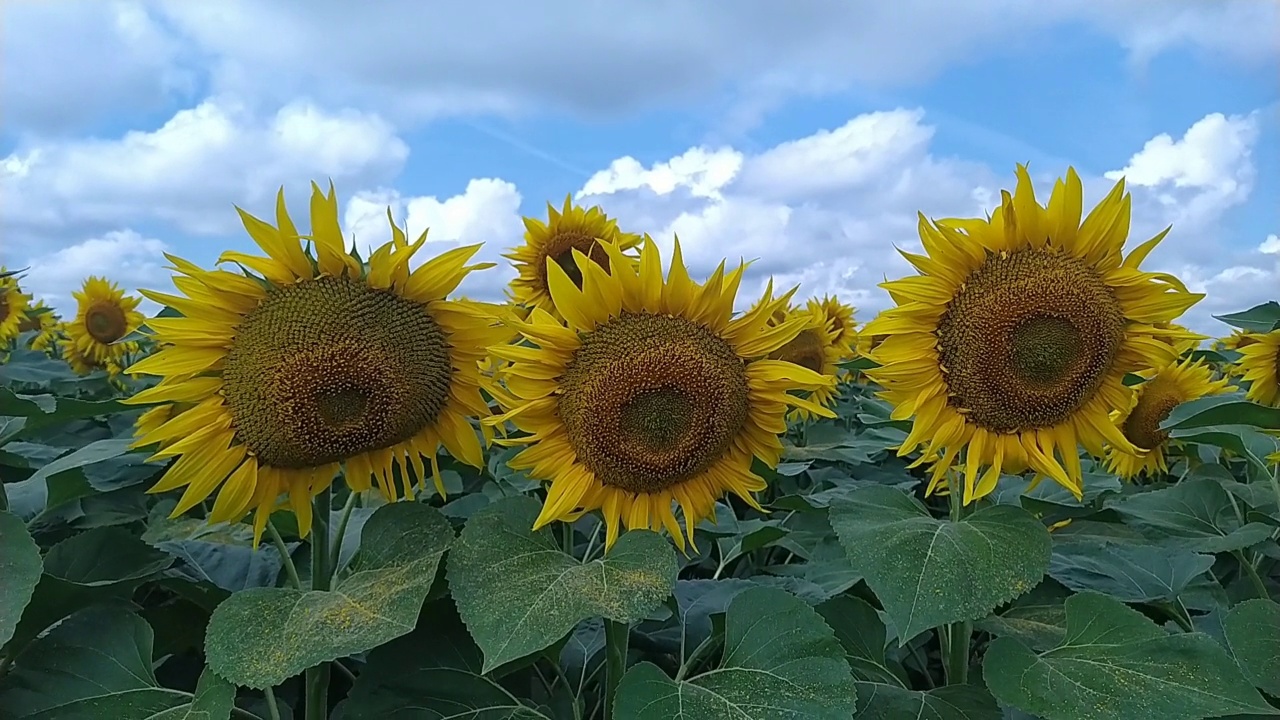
(649, 392)
(13, 307)
(44, 322)
(1013, 342)
(840, 318)
(312, 362)
(1180, 338)
(1162, 391)
(104, 317)
(1236, 340)
(1259, 365)
(82, 364)
(815, 347)
(572, 228)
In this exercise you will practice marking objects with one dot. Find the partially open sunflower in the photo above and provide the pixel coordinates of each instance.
(1163, 390)
(815, 347)
(840, 318)
(1012, 343)
(1236, 340)
(13, 307)
(105, 315)
(649, 392)
(572, 228)
(44, 322)
(1259, 365)
(316, 361)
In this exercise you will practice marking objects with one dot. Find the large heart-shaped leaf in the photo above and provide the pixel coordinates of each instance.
(1115, 664)
(1129, 572)
(781, 662)
(98, 664)
(953, 702)
(260, 637)
(928, 572)
(1252, 629)
(519, 594)
(1198, 513)
(432, 673)
(20, 567)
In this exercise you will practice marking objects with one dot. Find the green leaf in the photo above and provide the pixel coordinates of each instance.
(1132, 573)
(518, 593)
(1244, 440)
(781, 661)
(928, 572)
(1252, 630)
(1259, 318)
(1115, 663)
(431, 674)
(97, 664)
(43, 411)
(1214, 410)
(221, 555)
(953, 702)
(260, 637)
(860, 631)
(20, 568)
(1039, 627)
(1197, 512)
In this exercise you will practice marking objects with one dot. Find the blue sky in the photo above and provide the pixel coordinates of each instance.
(807, 141)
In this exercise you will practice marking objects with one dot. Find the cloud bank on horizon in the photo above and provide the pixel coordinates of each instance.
(806, 140)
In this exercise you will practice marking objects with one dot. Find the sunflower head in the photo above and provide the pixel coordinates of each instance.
(1012, 343)
(299, 364)
(1163, 390)
(573, 228)
(1236, 340)
(840, 320)
(105, 315)
(13, 307)
(815, 347)
(1259, 365)
(649, 393)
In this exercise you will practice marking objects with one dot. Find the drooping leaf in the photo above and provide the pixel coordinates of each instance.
(1259, 318)
(1252, 631)
(20, 568)
(1125, 571)
(952, 702)
(1039, 627)
(1198, 513)
(781, 661)
(518, 593)
(260, 637)
(98, 664)
(433, 673)
(221, 555)
(927, 572)
(1115, 664)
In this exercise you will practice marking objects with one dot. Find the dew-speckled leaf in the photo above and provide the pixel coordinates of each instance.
(952, 702)
(1125, 571)
(1252, 629)
(260, 637)
(433, 673)
(98, 664)
(518, 593)
(928, 572)
(781, 662)
(1115, 664)
(1198, 513)
(20, 568)
(1039, 627)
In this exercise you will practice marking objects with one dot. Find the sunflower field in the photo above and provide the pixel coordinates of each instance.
(321, 485)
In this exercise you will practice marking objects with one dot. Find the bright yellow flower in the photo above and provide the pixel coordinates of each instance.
(45, 323)
(1259, 365)
(572, 228)
(649, 392)
(1161, 392)
(840, 318)
(104, 317)
(315, 363)
(13, 307)
(1013, 342)
(815, 347)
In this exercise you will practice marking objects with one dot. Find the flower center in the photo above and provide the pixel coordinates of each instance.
(106, 322)
(806, 350)
(560, 248)
(1142, 426)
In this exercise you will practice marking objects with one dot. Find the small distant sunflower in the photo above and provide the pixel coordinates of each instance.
(43, 321)
(572, 228)
(1180, 338)
(13, 307)
(649, 392)
(104, 317)
(1236, 340)
(815, 347)
(1013, 342)
(1259, 365)
(1153, 400)
(315, 362)
(840, 318)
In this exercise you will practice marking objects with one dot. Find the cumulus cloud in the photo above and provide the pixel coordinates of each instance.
(123, 256)
(190, 171)
(419, 60)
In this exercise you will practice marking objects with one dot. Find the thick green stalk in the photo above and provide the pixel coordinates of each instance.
(955, 641)
(616, 635)
(317, 678)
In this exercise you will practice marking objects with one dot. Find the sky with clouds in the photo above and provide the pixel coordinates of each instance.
(805, 135)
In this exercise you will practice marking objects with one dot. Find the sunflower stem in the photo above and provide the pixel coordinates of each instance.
(271, 703)
(335, 553)
(955, 640)
(1258, 585)
(616, 635)
(285, 558)
(317, 678)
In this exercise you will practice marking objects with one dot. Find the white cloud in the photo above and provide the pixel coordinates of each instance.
(123, 256)
(608, 57)
(192, 169)
(1270, 246)
(703, 172)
